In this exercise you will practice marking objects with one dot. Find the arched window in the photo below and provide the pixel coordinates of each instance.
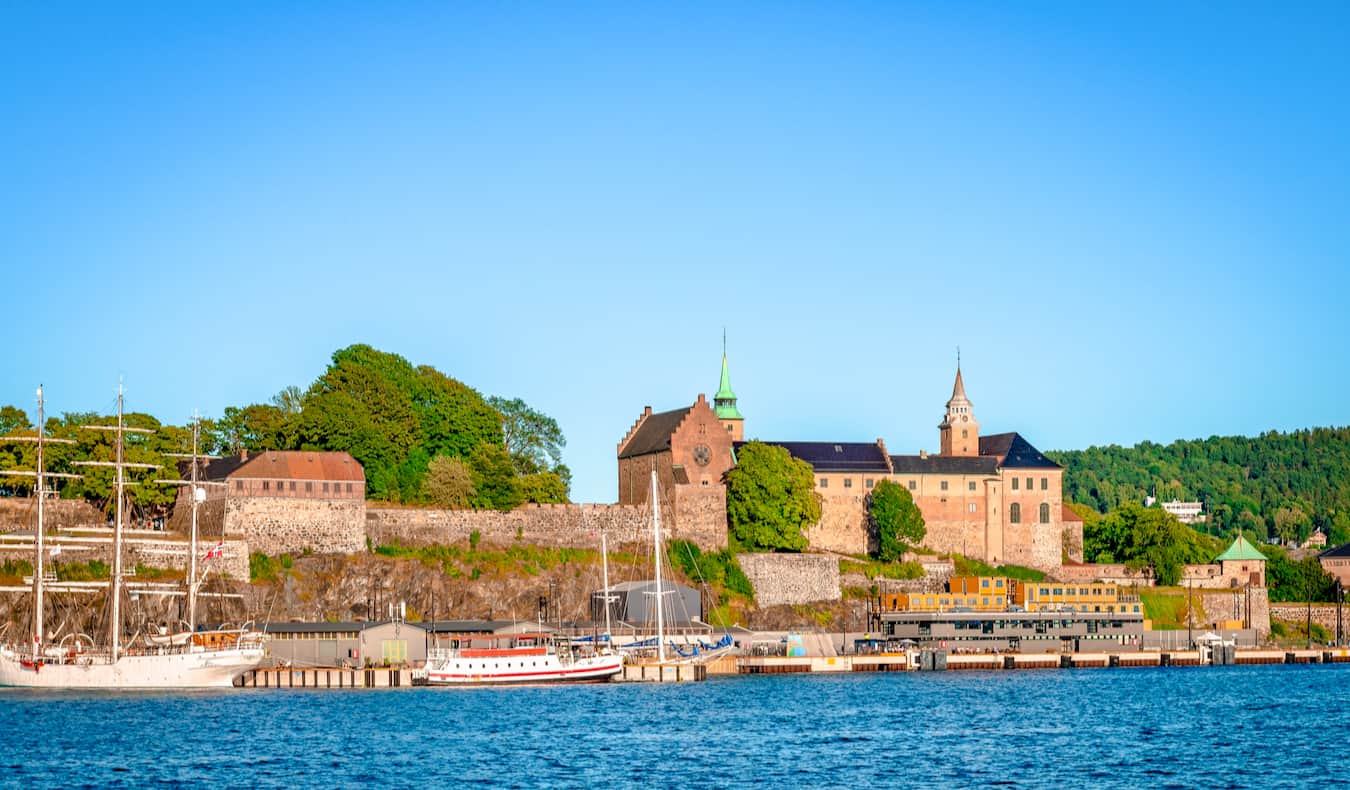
(1015, 513)
(1045, 513)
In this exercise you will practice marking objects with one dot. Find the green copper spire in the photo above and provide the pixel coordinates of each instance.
(724, 402)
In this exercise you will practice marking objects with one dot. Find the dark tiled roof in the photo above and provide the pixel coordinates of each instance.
(1014, 452)
(654, 434)
(836, 456)
(1339, 551)
(944, 465)
(216, 469)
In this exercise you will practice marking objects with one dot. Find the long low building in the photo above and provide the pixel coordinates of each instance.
(1025, 632)
(371, 643)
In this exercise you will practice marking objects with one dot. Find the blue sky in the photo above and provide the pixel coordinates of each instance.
(1131, 217)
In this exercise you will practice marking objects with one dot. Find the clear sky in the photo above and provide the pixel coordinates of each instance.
(1132, 218)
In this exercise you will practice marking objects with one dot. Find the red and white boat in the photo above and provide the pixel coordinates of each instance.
(493, 659)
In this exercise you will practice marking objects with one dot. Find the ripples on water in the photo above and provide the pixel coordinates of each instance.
(1178, 727)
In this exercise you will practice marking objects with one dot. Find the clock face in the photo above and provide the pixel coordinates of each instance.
(965, 418)
(702, 455)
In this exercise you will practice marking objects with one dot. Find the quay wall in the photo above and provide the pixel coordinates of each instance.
(792, 578)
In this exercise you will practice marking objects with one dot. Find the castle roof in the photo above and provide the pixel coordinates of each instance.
(301, 465)
(1240, 550)
(1339, 551)
(653, 435)
(1014, 452)
(943, 465)
(836, 456)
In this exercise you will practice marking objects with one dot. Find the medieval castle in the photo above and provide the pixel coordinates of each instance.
(994, 498)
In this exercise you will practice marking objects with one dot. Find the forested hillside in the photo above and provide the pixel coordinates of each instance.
(1276, 484)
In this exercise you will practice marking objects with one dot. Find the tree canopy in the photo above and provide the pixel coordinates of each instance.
(1139, 536)
(897, 520)
(771, 499)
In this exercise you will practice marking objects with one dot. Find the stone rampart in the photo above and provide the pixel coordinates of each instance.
(792, 578)
(1324, 614)
(701, 515)
(150, 552)
(20, 513)
(1236, 605)
(275, 525)
(575, 526)
(842, 526)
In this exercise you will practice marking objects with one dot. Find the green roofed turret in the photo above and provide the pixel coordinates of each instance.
(724, 402)
(1240, 550)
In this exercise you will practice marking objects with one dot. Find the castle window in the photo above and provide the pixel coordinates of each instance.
(1014, 481)
(728, 429)
(292, 485)
(239, 485)
(944, 485)
(1045, 484)
(1045, 513)
(971, 485)
(1015, 513)
(868, 482)
(309, 486)
(1030, 480)
(265, 485)
(911, 485)
(965, 434)
(972, 507)
(349, 487)
(824, 482)
(848, 482)
(325, 488)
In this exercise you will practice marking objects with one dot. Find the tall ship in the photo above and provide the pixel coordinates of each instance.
(190, 659)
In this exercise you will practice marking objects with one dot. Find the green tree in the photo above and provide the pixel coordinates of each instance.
(771, 499)
(494, 478)
(1140, 536)
(254, 428)
(897, 520)
(544, 488)
(533, 438)
(449, 482)
(13, 420)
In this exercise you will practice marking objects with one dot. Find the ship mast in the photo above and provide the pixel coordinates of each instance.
(40, 490)
(656, 550)
(119, 466)
(604, 565)
(198, 495)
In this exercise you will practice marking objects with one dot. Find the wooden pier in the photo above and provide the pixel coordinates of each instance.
(325, 678)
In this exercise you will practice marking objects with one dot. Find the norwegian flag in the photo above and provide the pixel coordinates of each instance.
(215, 552)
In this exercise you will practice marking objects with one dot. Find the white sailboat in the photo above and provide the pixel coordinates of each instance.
(492, 659)
(699, 654)
(205, 659)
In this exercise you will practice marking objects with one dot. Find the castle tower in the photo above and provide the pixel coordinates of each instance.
(724, 402)
(959, 432)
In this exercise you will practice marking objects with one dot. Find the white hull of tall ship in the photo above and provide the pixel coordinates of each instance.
(167, 670)
(520, 667)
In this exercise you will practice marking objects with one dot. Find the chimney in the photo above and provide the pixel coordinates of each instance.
(646, 411)
(923, 454)
(243, 453)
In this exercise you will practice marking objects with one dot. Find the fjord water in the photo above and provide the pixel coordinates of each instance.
(1273, 726)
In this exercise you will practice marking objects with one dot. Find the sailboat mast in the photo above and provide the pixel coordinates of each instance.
(192, 550)
(604, 567)
(37, 565)
(656, 553)
(117, 539)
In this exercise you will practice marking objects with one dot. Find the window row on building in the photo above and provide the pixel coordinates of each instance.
(284, 486)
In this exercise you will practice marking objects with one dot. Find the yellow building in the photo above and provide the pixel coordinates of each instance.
(975, 593)
(1059, 596)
